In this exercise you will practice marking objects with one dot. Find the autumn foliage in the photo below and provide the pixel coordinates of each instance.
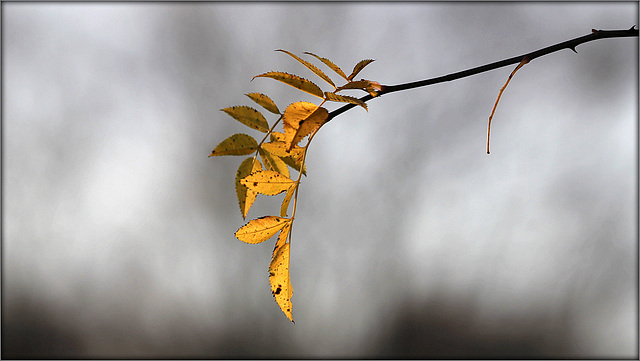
(281, 153)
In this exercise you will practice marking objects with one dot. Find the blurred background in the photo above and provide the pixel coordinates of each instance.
(409, 241)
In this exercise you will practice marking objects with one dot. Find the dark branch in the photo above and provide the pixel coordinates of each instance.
(569, 44)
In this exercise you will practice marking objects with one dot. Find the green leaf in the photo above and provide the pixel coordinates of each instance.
(295, 81)
(345, 99)
(330, 64)
(264, 101)
(311, 67)
(237, 144)
(359, 67)
(249, 117)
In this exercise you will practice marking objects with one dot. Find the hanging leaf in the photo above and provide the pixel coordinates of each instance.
(359, 67)
(330, 64)
(285, 202)
(345, 99)
(295, 81)
(237, 144)
(279, 278)
(311, 67)
(249, 117)
(273, 162)
(300, 119)
(246, 197)
(264, 101)
(261, 229)
(267, 182)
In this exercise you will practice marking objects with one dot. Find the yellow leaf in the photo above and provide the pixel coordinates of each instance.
(246, 197)
(359, 67)
(249, 117)
(330, 64)
(273, 162)
(264, 101)
(311, 67)
(267, 182)
(373, 87)
(295, 81)
(345, 99)
(261, 229)
(279, 278)
(237, 144)
(301, 119)
(285, 203)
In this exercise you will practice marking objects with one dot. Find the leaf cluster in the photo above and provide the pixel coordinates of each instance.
(281, 154)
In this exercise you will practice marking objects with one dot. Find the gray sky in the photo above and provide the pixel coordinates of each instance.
(117, 229)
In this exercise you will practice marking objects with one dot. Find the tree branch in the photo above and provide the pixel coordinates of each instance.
(569, 44)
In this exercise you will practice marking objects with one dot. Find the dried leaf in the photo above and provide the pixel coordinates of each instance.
(330, 64)
(264, 101)
(267, 182)
(249, 117)
(359, 67)
(273, 162)
(261, 229)
(345, 99)
(237, 144)
(301, 119)
(279, 278)
(295, 81)
(246, 197)
(311, 67)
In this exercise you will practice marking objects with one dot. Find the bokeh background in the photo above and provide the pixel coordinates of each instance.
(410, 241)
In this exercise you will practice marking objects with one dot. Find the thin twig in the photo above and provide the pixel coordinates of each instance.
(569, 44)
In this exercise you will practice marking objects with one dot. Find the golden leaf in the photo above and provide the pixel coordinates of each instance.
(292, 158)
(359, 67)
(330, 64)
(301, 119)
(267, 182)
(273, 162)
(279, 278)
(345, 99)
(285, 202)
(295, 81)
(311, 67)
(261, 229)
(264, 101)
(237, 144)
(249, 117)
(246, 197)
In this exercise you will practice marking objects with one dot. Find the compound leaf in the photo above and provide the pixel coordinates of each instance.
(279, 278)
(261, 229)
(264, 101)
(345, 99)
(359, 67)
(295, 81)
(267, 182)
(249, 117)
(246, 196)
(330, 64)
(237, 144)
(300, 119)
(311, 67)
